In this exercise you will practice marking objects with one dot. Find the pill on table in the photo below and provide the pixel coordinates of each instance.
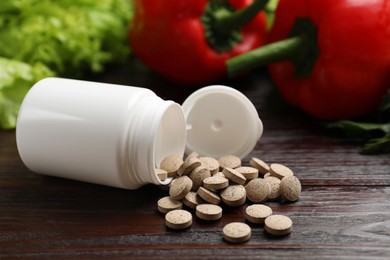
(234, 175)
(236, 232)
(198, 175)
(290, 188)
(274, 184)
(215, 183)
(178, 219)
(208, 212)
(257, 213)
(278, 225)
(180, 187)
(161, 174)
(229, 161)
(259, 165)
(188, 166)
(280, 171)
(248, 172)
(257, 190)
(234, 195)
(208, 196)
(210, 163)
(192, 200)
(171, 164)
(166, 204)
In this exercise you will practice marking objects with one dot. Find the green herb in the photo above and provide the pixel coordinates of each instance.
(375, 136)
(63, 37)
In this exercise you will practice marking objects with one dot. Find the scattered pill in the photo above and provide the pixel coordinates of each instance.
(257, 213)
(208, 196)
(178, 219)
(208, 212)
(180, 187)
(280, 171)
(188, 166)
(229, 161)
(234, 175)
(236, 232)
(193, 154)
(259, 165)
(192, 200)
(198, 175)
(248, 172)
(166, 204)
(171, 164)
(290, 188)
(267, 175)
(219, 174)
(215, 183)
(278, 225)
(257, 190)
(274, 184)
(234, 195)
(161, 174)
(210, 163)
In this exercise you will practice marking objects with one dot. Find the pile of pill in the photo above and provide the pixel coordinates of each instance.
(204, 183)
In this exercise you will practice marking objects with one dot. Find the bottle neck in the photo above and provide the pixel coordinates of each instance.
(157, 129)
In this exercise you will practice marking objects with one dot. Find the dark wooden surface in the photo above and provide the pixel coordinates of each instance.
(343, 212)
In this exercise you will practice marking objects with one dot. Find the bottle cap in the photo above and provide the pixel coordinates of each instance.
(221, 121)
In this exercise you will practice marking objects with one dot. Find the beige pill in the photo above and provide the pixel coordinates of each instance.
(171, 164)
(234, 175)
(166, 204)
(210, 163)
(234, 195)
(215, 183)
(208, 196)
(248, 172)
(274, 184)
(257, 213)
(161, 174)
(178, 219)
(236, 232)
(198, 175)
(280, 171)
(192, 200)
(180, 187)
(257, 190)
(188, 166)
(290, 188)
(259, 165)
(219, 174)
(229, 161)
(267, 175)
(208, 212)
(193, 154)
(278, 225)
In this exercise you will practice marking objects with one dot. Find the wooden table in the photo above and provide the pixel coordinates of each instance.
(343, 212)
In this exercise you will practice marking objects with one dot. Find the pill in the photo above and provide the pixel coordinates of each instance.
(215, 183)
(267, 175)
(278, 225)
(198, 175)
(208, 196)
(210, 163)
(219, 174)
(234, 175)
(229, 161)
(257, 190)
(248, 172)
(280, 171)
(180, 187)
(290, 188)
(234, 195)
(257, 213)
(259, 165)
(178, 219)
(171, 164)
(192, 154)
(274, 184)
(208, 212)
(166, 204)
(161, 174)
(188, 166)
(236, 232)
(192, 200)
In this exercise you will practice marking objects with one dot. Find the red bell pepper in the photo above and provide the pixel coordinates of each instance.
(189, 41)
(335, 63)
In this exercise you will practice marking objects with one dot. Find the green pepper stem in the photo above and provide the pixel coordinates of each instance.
(278, 51)
(226, 22)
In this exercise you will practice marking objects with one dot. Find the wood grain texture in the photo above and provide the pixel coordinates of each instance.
(343, 212)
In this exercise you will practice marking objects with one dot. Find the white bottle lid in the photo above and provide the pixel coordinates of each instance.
(221, 121)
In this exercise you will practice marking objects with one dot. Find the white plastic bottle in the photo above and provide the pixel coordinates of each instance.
(117, 135)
